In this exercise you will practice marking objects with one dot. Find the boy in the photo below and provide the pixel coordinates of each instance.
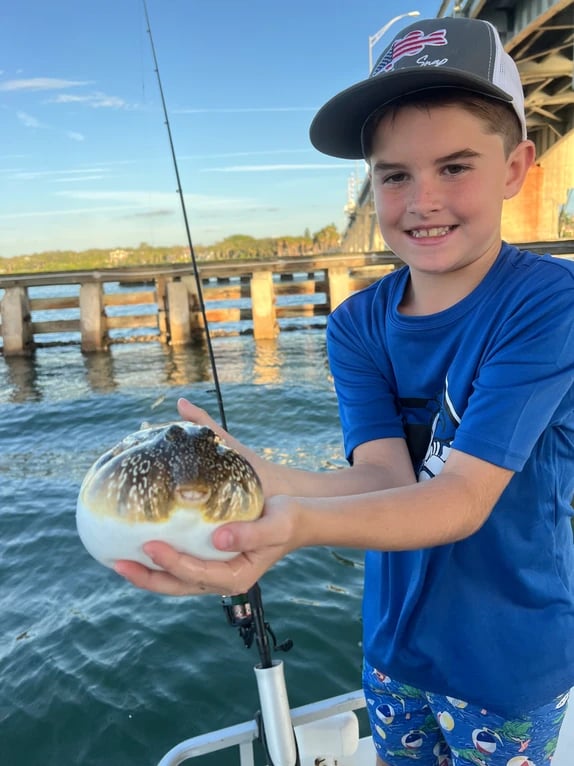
(454, 377)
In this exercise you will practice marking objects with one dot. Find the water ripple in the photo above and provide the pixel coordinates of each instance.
(95, 672)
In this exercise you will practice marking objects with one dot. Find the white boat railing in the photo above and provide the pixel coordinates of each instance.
(322, 733)
(331, 720)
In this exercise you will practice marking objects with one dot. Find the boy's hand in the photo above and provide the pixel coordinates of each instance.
(260, 544)
(191, 412)
(194, 414)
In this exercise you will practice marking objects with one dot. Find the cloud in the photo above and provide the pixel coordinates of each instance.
(151, 214)
(33, 175)
(248, 110)
(140, 204)
(153, 200)
(52, 213)
(78, 173)
(140, 198)
(78, 179)
(262, 152)
(268, 168)
(28, 120)
(94, 100)
(41, 83)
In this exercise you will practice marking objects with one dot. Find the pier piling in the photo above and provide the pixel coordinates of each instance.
(178, 314)
(337, 285)
(16, 322)
(263, 306)
(92, 317)
(161, 302)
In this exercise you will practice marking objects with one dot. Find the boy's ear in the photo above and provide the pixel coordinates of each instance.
(517, 166)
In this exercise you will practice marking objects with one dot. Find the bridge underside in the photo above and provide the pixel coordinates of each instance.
(539, 35)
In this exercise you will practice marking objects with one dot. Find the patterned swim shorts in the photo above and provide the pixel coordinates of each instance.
(410, 726)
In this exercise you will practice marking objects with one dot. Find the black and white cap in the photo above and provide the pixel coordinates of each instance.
(431, 53)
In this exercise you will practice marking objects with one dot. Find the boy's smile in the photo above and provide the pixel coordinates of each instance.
(435, 231)
(439, 180)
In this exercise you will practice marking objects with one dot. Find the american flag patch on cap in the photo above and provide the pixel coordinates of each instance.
(410, 45)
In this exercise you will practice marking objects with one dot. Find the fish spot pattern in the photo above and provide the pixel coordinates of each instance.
(159, 470)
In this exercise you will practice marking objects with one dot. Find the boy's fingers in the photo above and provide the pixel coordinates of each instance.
(181, 574)
(154, 580)
(241, 536)
(189, 411)
(194, 414)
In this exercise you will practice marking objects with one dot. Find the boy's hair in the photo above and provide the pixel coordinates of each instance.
(497, 116)
(429, 55)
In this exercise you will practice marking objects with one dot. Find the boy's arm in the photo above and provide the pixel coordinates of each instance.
(377, 464)
(449, 507)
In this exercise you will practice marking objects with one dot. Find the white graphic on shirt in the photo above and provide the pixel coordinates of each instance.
(442, 435)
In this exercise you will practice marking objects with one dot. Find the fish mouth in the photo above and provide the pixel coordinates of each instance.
(193, 495)
(430, 232)
(193, 500)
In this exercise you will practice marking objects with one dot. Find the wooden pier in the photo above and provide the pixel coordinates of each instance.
(96, 309)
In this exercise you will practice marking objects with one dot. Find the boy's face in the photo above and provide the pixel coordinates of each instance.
(439, 180)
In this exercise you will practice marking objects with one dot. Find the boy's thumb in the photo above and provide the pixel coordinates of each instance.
(224, 539)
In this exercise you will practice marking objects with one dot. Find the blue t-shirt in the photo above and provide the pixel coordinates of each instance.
(489, 619)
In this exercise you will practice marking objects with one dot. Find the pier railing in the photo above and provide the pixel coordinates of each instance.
(95, 309)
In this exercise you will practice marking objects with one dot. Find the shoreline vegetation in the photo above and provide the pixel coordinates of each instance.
(237, 246)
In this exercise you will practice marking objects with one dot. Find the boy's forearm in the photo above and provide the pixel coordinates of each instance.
(377, 465)
(362, 477)
(431, 513)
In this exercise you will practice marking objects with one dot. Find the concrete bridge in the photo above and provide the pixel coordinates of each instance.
(539, 34)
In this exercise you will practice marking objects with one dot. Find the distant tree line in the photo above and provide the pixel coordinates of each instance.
(237, 246)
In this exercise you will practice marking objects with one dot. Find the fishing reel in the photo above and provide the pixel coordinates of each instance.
(245, 612)
(274, 728)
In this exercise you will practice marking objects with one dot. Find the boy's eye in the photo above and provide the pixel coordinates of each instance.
(455, 169)
(394, 178)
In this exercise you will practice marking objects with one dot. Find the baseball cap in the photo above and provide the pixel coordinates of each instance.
(430, 53)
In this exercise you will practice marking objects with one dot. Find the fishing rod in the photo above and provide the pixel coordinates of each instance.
(187, 229)
(244, 611)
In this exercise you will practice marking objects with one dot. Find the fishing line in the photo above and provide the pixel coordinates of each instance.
(244, 611)
(187, 229)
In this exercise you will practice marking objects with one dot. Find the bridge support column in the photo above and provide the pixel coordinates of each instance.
(263, 306)
(197, 325)
(179, 316)
(161, 301)
(337, 285)
(92, 317)
(16, 322)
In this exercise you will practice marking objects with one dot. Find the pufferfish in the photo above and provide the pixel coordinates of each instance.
(175, 482)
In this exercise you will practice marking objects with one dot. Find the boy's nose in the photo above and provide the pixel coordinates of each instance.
(424, 198)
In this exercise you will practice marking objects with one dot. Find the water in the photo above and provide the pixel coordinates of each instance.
(94, 672)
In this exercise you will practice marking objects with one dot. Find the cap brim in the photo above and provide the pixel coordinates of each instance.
(337, 126)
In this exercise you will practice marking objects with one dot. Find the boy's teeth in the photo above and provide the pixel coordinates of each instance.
(438, 231)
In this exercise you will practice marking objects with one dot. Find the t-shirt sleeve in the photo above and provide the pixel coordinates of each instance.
(525, 380)
(363, 380)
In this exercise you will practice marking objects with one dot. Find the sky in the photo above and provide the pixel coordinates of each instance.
(85, 159)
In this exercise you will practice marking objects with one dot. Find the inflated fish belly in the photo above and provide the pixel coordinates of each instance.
(176, 483)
